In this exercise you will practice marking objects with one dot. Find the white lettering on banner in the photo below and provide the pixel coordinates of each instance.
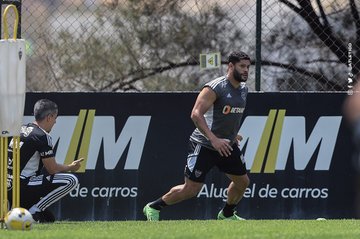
(104, 192)
(304, 193)
(293, 138)
(211, 191)
(293, 134)
(324, 134)
(133, 134)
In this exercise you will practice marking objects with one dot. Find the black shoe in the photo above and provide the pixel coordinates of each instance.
(45, 216)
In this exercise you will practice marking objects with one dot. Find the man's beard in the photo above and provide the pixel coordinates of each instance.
(237, 76)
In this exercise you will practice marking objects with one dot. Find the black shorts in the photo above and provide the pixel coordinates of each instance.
(201, 160)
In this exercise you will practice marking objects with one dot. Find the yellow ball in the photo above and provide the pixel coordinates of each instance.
(18, 219)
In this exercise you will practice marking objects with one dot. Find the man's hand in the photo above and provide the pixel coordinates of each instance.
(75, 165)
(238, 138)
(222, 146)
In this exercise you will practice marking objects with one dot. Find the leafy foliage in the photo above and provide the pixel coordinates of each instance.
(313, 44)
(141, 45)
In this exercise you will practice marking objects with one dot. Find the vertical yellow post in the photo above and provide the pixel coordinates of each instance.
(16, 172)
(3, 180)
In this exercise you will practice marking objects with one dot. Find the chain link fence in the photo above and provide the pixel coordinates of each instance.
(154, 45)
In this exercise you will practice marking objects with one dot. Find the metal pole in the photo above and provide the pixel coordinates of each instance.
(258, 46)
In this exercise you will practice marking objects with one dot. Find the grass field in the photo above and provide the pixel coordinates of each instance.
(264, 229)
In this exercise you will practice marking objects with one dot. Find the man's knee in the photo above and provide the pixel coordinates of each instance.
(246, 181)
(70, 179)
(74, 181)
(192, 188)
(241, 181)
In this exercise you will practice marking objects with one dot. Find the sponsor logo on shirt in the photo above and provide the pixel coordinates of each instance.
(232, 110)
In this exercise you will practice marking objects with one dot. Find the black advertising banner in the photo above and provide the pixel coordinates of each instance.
(297, 149)
(300, 156)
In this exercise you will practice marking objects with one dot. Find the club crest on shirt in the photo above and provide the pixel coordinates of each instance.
(198, 173)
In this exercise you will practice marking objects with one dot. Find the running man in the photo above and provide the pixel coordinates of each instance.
(217, 116)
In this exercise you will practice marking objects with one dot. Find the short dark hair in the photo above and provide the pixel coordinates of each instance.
(236, 56)
(43, 108)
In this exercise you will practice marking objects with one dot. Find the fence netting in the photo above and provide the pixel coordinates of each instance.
(154, 45)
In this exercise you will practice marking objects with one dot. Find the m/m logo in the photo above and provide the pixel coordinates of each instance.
(269, 141)
(83, 135)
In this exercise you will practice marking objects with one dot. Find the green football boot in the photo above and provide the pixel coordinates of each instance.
(150, 213)
(233, 217)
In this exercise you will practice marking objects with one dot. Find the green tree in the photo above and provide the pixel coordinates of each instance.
(141, 45)
(315, 45)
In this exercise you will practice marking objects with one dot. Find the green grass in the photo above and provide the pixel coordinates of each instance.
(188, 229)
